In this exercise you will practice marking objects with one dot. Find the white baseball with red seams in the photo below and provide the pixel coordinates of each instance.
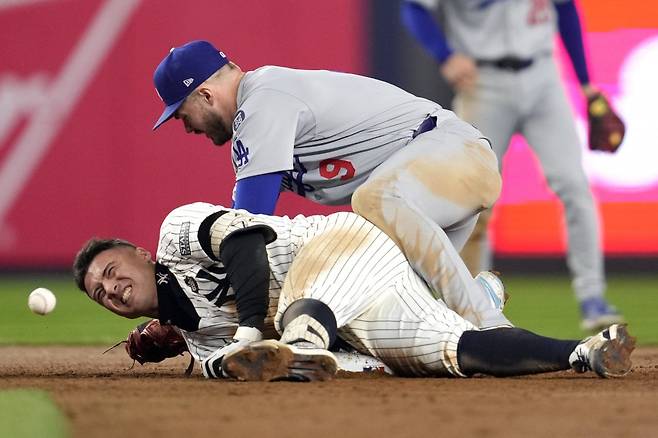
(41, 301)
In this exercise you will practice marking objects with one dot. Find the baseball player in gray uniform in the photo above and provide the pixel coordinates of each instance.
(227, 277)
(498, 55)
(412, 168)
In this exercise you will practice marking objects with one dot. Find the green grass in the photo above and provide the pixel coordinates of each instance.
(75, 320)
(544, 304)
(30, 413)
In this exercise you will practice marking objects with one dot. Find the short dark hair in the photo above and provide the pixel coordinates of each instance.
(88, 253)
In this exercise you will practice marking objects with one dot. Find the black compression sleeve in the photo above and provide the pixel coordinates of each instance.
(248, 271)
(511, 352)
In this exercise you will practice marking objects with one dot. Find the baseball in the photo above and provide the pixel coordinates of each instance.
(41, 301)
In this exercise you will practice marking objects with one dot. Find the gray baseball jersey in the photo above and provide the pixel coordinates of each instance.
(518, 28)
(337, 134)
(532, 102)
(327, 130)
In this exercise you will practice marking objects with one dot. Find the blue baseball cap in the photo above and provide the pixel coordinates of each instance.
(182, 71)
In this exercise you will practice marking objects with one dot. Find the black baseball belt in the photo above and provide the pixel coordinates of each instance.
(510, 63)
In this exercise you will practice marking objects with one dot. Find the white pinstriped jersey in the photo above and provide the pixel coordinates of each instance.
(520, 28)
(381, 305)
(212, 318)
(328, 131)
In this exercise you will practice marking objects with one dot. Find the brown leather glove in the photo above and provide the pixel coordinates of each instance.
(606, 129)
(154, 342)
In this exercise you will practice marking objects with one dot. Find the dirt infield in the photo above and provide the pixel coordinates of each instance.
(101, 397)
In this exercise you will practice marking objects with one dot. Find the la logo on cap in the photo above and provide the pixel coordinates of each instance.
(188, 81)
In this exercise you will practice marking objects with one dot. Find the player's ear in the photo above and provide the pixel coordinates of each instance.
(143, 254)
(206, 95)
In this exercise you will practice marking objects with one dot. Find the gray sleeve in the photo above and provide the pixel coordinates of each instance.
(265, 139)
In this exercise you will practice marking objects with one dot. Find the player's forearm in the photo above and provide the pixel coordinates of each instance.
(420, 23)
(572, 37)
(258, 194)
(248, 271)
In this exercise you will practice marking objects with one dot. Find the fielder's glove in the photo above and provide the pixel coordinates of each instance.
(155, 342)
(606, 129)
(212, 365)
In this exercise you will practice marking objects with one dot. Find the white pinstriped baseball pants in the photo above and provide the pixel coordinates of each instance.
(382, 307)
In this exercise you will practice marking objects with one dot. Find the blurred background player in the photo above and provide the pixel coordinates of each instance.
(498, 56)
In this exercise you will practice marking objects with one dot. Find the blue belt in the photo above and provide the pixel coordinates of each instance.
(428, 124)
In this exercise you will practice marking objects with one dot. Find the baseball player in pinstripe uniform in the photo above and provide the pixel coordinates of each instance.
(412, 168)
(498, 55)
(227, 277)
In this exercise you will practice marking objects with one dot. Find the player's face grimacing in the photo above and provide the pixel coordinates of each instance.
(202, 114)
(122, 279)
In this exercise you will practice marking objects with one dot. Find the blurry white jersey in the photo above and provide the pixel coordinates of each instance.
(328, 131)
(492, 29)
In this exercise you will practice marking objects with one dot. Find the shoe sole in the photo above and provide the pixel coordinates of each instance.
(613, 359)
(270, 361)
